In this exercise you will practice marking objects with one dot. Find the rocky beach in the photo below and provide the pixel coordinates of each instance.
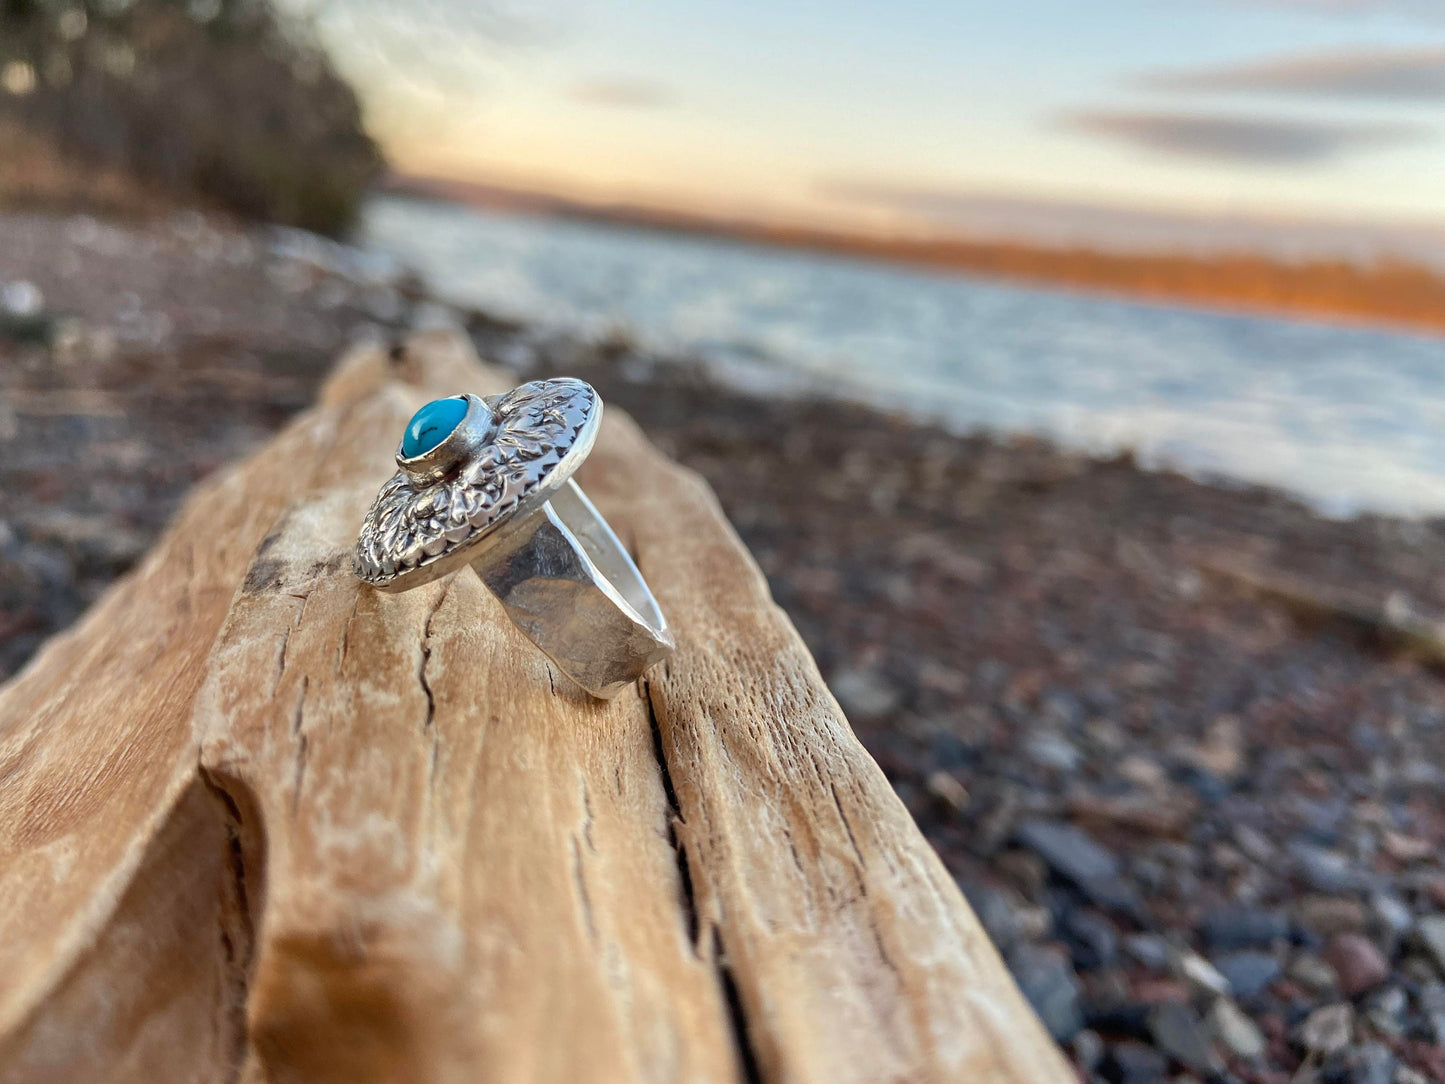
(1178, 742)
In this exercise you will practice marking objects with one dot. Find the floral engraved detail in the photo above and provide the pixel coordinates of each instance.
(413, 523)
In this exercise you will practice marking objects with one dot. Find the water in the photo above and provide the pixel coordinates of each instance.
(1353, 420)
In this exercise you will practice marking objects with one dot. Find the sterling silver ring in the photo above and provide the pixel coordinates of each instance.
(488, 482)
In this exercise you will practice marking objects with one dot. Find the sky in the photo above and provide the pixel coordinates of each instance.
(911, 114)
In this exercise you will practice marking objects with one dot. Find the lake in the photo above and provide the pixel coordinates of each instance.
(1351, 419)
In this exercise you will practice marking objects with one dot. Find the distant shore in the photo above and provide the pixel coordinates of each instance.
(1394, 293)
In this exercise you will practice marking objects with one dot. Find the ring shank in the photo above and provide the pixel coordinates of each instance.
(568, 583)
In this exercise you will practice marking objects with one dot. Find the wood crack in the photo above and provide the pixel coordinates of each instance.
(281, 660)
(737, 1015)
(580, 881)
(302, 744)
(425, 661)
(238, 940)
(346, 632)
(675, 818)
(852, 839)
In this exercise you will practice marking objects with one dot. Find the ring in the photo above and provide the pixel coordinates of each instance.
(488, 482)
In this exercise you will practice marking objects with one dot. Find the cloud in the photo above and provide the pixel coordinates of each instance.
(1406, 75)
(1427, 8)
(1064, 220)
(1268, 141)
(622, 92)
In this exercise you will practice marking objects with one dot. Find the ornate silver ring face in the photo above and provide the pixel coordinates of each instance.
(488, 482)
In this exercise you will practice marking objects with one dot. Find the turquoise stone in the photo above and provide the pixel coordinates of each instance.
(431, 425)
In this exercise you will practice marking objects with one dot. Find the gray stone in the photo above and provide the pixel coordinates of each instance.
(1235, 1030)
(1068, 851)
(1386, 1011)
(1391, 912)
(997, 913)
(1088, 1049)
(1322, 869)
(1232, 928)
(1431, 931)
(1053, 751)
(1082, 861)
(1248, 973)
(1431, 1000)
(1093, 942)
(866, 694)
(1372, 1063)
(1135, 1063)
(1051, 987)
(21, 298)
(1178, 1032)
(1150, 950)
(1253, 843)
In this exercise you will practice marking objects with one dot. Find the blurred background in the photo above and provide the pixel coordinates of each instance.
(1075, 371)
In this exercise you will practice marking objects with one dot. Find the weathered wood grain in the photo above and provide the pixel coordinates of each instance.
(260, 822)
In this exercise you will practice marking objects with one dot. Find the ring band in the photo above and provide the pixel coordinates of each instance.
(488, 482)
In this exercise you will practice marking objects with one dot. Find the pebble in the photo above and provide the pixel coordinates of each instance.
(1069, 851)
(1314, 973)
(1386, 1011)
(1357, 962)
(865, 694)
(1372, 1063)
(1089, 1049)
(1178, 1032)
(1431, 930)
(1253, 843)
(1201, 974)
(1228, 929)
(1051, 987)
(1134, 1063)
(1092, 939)
(1248, 973)
(21, 298)
(1324, 870)
(1328, 915)
(1150, 990)
(1053, 751)
(1328, 1030)
(946, 788)
(1026, 870)
(1391, 912)
(1142, 771)
(997, 913)
(1221, 752)
(1235, 1030)
(1406, 848)
(1150, 950)
(1082, 861)
(1431, 1000)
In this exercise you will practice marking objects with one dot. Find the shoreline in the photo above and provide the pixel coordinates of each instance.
(1176, 742)
(1385, 293)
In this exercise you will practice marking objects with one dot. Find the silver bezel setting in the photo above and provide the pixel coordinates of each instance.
(469, 434)
(505, 457)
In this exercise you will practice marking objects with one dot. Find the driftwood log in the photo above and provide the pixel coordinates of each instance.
(259, 822)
